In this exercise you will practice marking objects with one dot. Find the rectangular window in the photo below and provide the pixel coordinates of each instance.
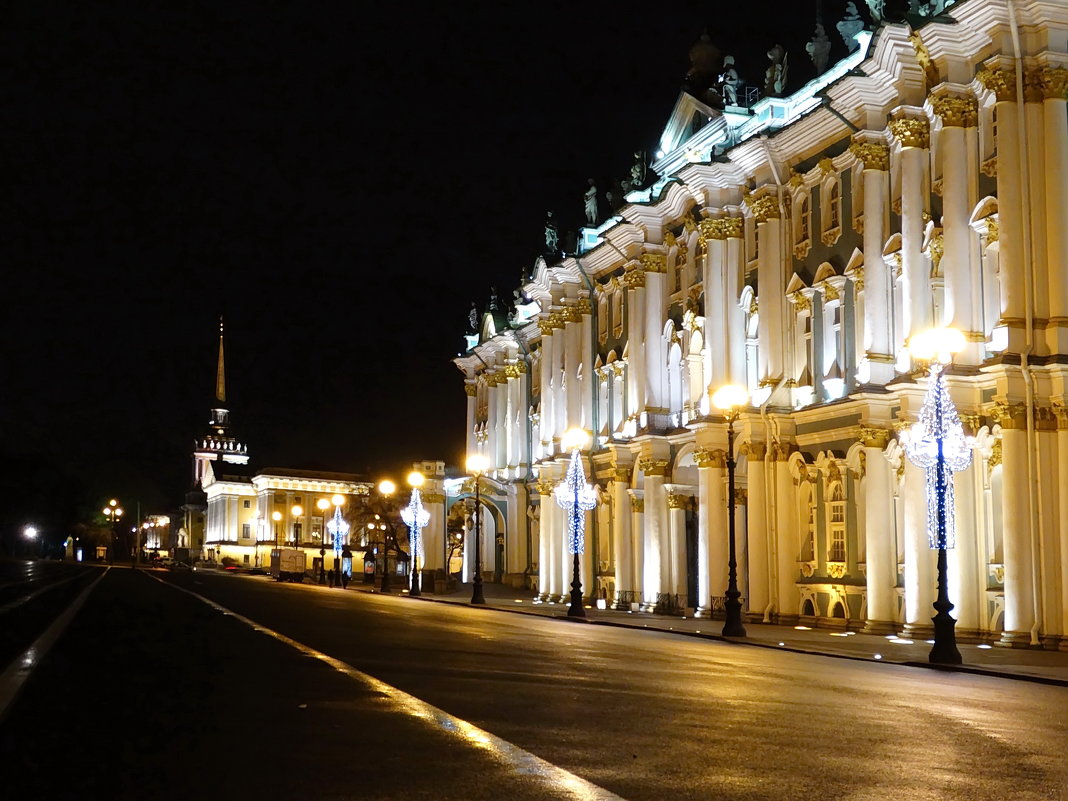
(246, 531)
(838, 546)
(246, 559)
(316, 529)
(248, 504)
(297, 533)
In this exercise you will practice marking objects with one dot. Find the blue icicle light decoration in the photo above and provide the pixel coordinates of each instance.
(575, 495)
(415, 517)
(339, 529)
(937, 444)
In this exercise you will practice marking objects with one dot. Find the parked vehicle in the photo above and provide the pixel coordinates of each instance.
(288, 564)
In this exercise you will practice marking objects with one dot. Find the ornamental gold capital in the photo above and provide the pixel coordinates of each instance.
(637, 504)
(911, 132)
(874, 437)
(764, 208)
(622, 473)
(707, 458)
(633, 278)
(956, 111)
(677, 500)
(653, 467)
(471, 390)
(711, 229)
(654, 262)
(1000, 81)
(874, 155)
(1054, 83)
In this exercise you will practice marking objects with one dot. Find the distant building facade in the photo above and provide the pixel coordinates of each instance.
(796, 249)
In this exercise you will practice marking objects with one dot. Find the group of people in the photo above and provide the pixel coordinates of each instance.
(337, 578)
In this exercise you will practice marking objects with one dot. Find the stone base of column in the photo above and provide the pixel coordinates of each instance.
(879, 627)
(781, 619)
(918, 631)
(1014, 639)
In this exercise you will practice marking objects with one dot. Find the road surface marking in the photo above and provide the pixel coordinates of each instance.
(14, 677)
(521, 762)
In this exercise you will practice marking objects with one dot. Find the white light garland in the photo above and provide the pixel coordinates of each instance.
(575, 495)
(937, 444)
(339, 529)
(415, 517)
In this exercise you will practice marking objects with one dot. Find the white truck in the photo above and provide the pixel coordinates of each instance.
(288, 564)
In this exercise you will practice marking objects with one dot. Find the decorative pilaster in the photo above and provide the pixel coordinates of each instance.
(913, 136)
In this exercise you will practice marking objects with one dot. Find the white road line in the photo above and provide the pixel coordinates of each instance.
(23, 599)
(14, 677)
(524, 763)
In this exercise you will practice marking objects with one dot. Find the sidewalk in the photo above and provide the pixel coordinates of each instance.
(1048, 667)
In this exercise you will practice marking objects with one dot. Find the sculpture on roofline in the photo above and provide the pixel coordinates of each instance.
(875, 7)
(819, 49)
(552, 234)
(590, 200)
(850, 26)
(637, 170)
(775, 76)
(729, 82)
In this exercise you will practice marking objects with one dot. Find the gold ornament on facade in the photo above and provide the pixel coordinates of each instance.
(936, 249)
(545, 486)
(857, 277)
(923, 58)
(801, 249)
(1045, 418)
(874, 155)
(911, 132)
(654, 262)
(637, 504)
(1001, 81)
(653, 467)
(874, 437)
(782, 451)
(836, 570)
(754, 307)
(471, 390)
(733, 227)
(689, 226)
(970, 422)
(956, 111)
(765, 208)
(669, 239)
(830, 236)
(677, 501)
(826, 166)
(1034, 90)
(1010, 415)
(995, 455)
(830, 292)
(707, 458)
(992, 231)
(622, 473)
(433, 497)
(545, 327)
(797, 180)
(896, 206)
(711, 229)
(858, 223)
(1054, 82)
(754, 451)
(801, 301)
(989, 168)
(936, 187)
(633, 278)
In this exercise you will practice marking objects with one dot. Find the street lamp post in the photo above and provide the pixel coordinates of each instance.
(113, 513)
(415, 517)
(577, 497)
(937, 444)
(476, 465)
(385, 489)
(30, 533)
(323, 504)
(730, 399)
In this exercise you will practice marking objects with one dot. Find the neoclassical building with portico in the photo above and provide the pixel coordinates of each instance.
(795, 246)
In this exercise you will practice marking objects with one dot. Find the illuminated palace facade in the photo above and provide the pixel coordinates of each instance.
(795, 248)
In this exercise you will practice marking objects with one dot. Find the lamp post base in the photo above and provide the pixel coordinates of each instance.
(944, 651)
(476, 595)
(415, 591)
(576, 609)
(733, 626)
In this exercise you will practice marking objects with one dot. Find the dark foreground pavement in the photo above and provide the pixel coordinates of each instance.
(152, 694)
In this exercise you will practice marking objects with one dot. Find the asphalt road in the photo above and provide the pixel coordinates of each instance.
(193, 702)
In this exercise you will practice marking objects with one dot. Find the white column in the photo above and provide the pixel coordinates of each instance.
(771, 287)
(1016, 535)
(735, 314)
(545, 424)
(958, 114)
(965, 590)
(560, 382)
(471, 388)
(757, 531)
(913, 134)
(587, 397)
(654, 346)
(717, 322)
(880, 547)
(621, 512)
(572, 362)
(635, 348)
(433, 535)
(712, 549)
(877, 342)
(919, 558)
(1055, 142)
(546, 505)
(653, 541)
(1062, 522)
(637, 532)
(493, 422)
(787, 597)
(673, 571)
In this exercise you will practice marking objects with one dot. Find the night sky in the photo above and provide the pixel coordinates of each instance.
(340, 185)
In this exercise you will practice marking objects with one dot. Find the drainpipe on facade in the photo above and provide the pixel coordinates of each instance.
(1025, 368)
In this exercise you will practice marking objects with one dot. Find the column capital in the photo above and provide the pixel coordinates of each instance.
(711, 229)
(653, 467)
(874, 437)
(764, 208)
(654, 262)
(707, 458)
(633, 277)
(874, 155)
(911, 131)
(1054, 83)
(956, 111)
(1010, 415)
(471, 389)
(676, 500)
(637, 504)
(754, 451)
(545, 486)
(433, 497)
(999, 80)
(622, 473)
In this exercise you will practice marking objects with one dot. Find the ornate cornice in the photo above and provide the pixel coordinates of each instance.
(874, 155)
(515, 370)
(653, 467)
(911, 132)
(956, 111)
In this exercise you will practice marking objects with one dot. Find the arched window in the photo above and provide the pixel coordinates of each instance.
(835, 206)
(617, 313)
(836, 525)
(602, 318)
(804, 221)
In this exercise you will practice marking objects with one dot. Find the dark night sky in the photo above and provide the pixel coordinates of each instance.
(341, 186)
